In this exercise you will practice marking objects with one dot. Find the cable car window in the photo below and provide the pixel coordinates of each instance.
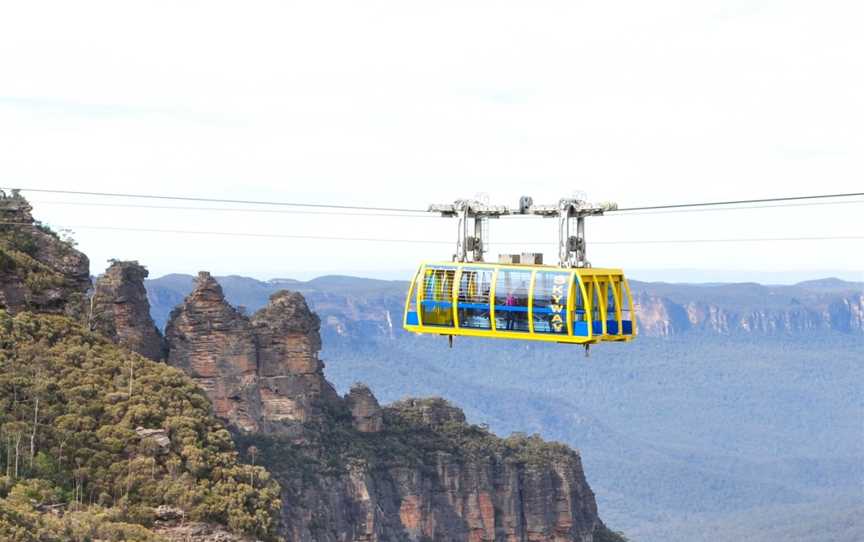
(612, 289)
(595, 306)
(437, 304)
(594, 291)
(626, 317)
(610, 299)
(579, 304)
(473, 307)
(580, 318)
(550, 302)
(511, 300)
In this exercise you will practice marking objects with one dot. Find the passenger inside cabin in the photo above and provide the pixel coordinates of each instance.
(510, 316)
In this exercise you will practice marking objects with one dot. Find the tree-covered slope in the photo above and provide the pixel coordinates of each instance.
(39, 270)
(106, 436)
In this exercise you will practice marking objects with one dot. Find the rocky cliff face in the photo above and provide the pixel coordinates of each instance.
(748, 309)
(292, 385)
(39, 271)
(365, 410)
(213, 343)
(119, 310)
(262, 373)
(428, 475)
(351, 470)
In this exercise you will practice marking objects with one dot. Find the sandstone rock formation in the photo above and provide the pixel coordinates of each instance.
(291, 377)
(119, 310)
(365, 410)
(213, 343)
(434, 477)
(171, 526)
(261, 373)
(157, 437)
(351, 470)
(39, 271)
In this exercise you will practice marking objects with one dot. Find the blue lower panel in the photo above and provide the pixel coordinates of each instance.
(628, 327)
(598, 327)
(580, 329)
(510, 308)
(612, 327)
(412, 320)
(476, 306)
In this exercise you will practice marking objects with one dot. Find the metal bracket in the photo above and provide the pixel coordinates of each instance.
(571, 248)
(470, 245)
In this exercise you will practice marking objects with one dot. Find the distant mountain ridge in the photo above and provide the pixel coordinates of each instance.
(366, 308)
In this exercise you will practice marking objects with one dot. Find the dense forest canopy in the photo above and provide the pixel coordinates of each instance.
(73, 409)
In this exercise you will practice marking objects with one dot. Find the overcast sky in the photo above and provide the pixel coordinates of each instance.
(407, 103)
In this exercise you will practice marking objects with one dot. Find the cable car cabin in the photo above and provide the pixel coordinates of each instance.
(512, 301)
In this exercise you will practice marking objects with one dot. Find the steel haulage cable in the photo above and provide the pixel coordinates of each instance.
(217, 200)
(736, 202)
(430, 241)
(408, 210)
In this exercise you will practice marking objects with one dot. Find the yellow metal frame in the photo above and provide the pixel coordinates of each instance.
(632, 308)
(408, 296)
(616, 295)
(593, 277)
(493, 324)
(530, 302)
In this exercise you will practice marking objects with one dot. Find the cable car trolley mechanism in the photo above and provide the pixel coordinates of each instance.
(519, 297)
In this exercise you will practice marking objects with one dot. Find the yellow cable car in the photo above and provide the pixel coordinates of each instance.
(568, 303)
(528, 302)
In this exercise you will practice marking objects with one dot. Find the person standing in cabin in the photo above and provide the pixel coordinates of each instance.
(510, 302)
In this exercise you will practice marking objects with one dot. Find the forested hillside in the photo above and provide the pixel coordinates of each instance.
(97, 442)
(109, 436)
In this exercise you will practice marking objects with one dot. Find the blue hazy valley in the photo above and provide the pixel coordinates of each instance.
(702, 429)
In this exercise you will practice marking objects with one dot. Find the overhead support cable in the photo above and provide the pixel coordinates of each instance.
(217, 200)
(728, 209)
(424, 211)
(429, 241)
(734, 202)
(372, 214)
(233, 209)
(732, 240)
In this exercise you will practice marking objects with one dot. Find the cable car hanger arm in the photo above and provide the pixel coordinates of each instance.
(470, 246)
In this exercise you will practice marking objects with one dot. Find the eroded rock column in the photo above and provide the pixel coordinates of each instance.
(213, 343)
(119, 309)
